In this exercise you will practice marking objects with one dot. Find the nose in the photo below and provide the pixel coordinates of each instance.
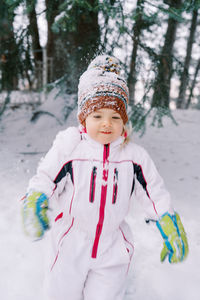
(107, 122)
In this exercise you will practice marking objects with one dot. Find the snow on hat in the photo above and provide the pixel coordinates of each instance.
(101, 86)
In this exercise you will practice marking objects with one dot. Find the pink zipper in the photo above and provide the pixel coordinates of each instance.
(103, 201)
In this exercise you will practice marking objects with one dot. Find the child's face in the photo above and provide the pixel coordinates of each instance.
(104, 125)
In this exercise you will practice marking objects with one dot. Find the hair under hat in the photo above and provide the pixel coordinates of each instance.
(102, 86)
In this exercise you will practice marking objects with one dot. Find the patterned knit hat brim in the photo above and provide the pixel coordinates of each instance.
(96, 103)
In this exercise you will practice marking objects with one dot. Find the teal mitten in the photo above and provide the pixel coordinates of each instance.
(34, 212)
(175, 239)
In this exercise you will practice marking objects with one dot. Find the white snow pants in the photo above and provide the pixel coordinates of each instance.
(75, 275)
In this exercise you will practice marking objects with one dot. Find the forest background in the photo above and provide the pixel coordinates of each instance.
(44, 47)
(49, 43)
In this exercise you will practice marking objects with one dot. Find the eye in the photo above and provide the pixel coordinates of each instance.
(97, 116)
(116, 118)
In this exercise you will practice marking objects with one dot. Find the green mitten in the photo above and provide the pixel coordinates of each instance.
(175, 239)
(34, 212)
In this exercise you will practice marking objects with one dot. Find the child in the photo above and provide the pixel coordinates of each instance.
(92, 173)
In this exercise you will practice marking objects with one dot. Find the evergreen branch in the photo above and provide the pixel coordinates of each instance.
(173, 12)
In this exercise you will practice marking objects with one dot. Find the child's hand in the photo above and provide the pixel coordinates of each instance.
(175, 239)
(34, 212)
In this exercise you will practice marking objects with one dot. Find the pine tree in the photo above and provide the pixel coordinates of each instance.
(73, 37)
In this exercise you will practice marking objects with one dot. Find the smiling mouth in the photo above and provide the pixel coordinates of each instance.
(106, 132)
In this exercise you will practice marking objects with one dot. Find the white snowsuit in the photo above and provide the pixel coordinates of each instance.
(92, 185)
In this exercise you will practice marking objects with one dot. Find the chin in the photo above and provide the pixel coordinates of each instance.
(106, 141)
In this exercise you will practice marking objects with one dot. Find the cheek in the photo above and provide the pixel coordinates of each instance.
(120, 129)
(90, 129)
(87, 125)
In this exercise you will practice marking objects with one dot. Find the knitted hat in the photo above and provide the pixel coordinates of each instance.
(101, 86)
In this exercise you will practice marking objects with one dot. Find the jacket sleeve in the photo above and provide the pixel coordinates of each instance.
(64, 144)
(149, 186)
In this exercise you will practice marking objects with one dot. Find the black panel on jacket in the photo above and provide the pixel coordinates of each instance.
(140, 177)
(67, 168)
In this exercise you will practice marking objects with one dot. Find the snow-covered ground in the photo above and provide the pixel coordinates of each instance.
(176, 152)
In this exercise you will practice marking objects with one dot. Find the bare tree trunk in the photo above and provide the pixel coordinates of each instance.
(137, 28)
(36, 48)
(162, 82)
(52, 10)
(55, 42)
(33, 30)
(185, 75)
(193, 85)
